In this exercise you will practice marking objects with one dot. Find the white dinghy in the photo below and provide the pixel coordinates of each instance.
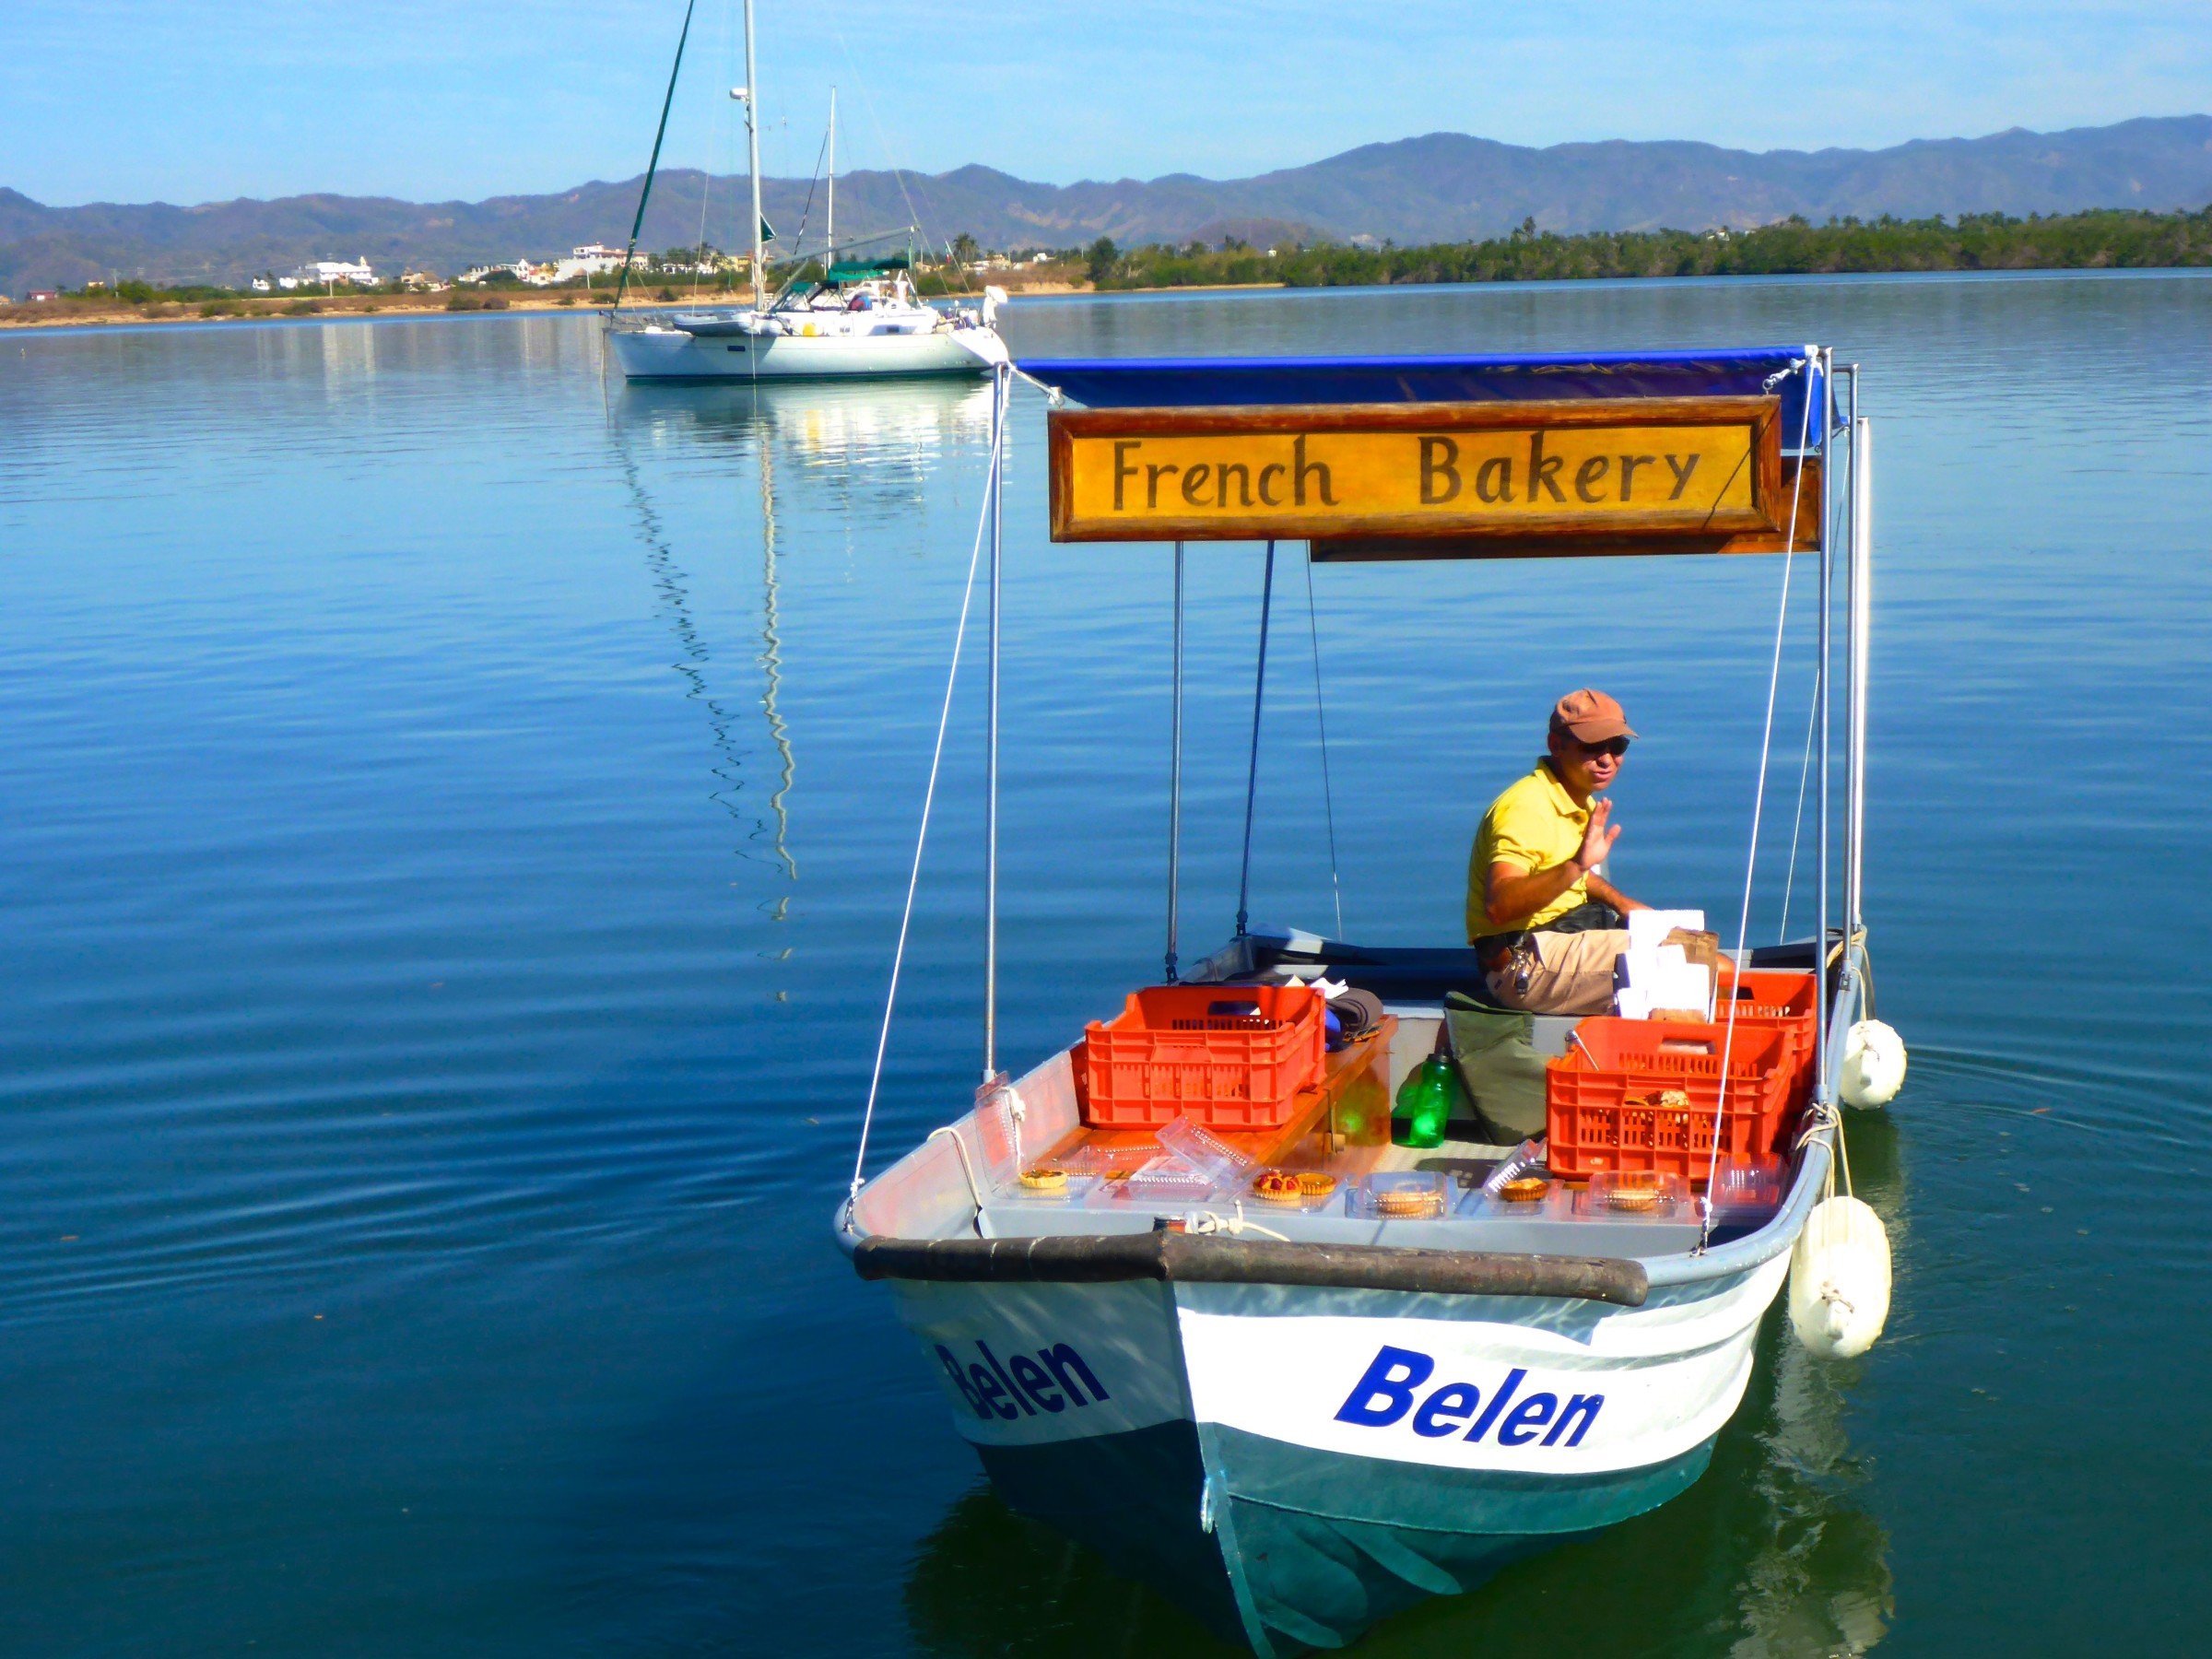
(1187, 1296)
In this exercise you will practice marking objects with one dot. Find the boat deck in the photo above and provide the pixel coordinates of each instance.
(1337, 1129)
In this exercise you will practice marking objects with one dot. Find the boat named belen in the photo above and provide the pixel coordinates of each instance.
(1186, 1294)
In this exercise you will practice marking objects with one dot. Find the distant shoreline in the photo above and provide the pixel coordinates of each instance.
(377, 308)
(79, 313)
(302, 308)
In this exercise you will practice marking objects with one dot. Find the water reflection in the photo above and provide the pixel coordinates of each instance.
(1770, 1555)
(863, 427)
(771, 663)
(871, 448)
(672, 585)
(990, 1582)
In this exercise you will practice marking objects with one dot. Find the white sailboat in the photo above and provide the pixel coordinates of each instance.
(861, 318)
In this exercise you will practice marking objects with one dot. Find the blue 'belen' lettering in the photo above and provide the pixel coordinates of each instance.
(1582, 1411)
(1528, 1417)
(960, 1380)
(1055, 1379)
(1385, 1393)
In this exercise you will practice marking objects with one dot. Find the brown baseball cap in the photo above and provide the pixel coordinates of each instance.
(1590, 717)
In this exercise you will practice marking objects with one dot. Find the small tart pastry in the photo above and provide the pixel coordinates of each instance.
(1413, 1203)
(1637, 1195)
(1524, 1189)
(1277, 1187)
(1045, 1180)
(1315, 1185)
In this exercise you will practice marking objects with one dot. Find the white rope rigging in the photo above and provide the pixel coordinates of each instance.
(1804, 772)
(929, 796)
(1759, 800)
(1328, 793)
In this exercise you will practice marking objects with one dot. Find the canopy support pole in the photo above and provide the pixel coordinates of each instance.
(1862, 618)
(1252, 772)
(1175, 771)
(999, 382)
(1827, 594)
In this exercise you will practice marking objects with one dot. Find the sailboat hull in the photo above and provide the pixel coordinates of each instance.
(671, 354)
(1294, 1464)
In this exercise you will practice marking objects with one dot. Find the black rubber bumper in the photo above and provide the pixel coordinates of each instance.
(1209, 1259)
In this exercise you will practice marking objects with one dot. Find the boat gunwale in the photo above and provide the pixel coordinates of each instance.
(1174, 1257)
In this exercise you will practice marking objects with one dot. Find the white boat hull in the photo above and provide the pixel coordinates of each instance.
(1333, 1455)
(1297, 1439)
(672, 354)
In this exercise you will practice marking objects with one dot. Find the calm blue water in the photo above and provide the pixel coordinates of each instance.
(455, 816)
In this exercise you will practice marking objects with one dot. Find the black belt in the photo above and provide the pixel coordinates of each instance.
(1593, 916)
(1494, 950)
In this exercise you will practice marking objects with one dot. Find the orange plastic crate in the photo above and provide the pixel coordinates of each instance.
(1601, 1097)
(1783, 1001)
(1773, 996)
(1171, 1055)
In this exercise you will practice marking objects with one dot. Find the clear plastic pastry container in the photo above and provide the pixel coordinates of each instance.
(1402, 1195)
(1745, 1191)
(1633, 1195)
(1052, 1183)
(1204, 1152)
(1523, 1196)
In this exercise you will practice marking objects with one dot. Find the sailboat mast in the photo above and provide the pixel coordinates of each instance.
(752, 140)
(832, 236)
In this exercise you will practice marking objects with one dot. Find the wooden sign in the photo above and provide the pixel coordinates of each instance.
(1466, 480)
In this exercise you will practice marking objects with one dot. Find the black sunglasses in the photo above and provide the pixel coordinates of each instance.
(1615, 746)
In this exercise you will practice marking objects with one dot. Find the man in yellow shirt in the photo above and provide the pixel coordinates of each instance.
(1544, 927)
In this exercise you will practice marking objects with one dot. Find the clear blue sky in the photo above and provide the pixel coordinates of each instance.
(193, 100)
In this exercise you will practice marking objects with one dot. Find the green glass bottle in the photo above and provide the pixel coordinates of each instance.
(1424, 1103)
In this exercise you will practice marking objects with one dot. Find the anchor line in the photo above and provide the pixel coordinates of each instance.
(929, 797)
(1759, 800)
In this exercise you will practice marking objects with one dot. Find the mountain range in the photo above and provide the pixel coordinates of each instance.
(1441, 187)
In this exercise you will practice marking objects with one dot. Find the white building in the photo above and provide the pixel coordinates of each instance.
(325, 272)
(518, 270)
(594, 259)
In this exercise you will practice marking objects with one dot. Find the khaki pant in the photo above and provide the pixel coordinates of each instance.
(1567, 973)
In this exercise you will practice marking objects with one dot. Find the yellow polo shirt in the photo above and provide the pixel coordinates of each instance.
(1532, 826)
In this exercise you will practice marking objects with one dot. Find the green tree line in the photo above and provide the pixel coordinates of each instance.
(1987, 241)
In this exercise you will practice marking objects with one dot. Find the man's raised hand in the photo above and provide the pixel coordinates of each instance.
(1597, 837)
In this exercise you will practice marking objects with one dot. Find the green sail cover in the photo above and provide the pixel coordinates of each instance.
(861, 270)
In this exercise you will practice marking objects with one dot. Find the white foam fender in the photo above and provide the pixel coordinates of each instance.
(1874, 1065)
(1840, 1279)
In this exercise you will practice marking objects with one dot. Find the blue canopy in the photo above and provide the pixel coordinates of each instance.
(1177, 383)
